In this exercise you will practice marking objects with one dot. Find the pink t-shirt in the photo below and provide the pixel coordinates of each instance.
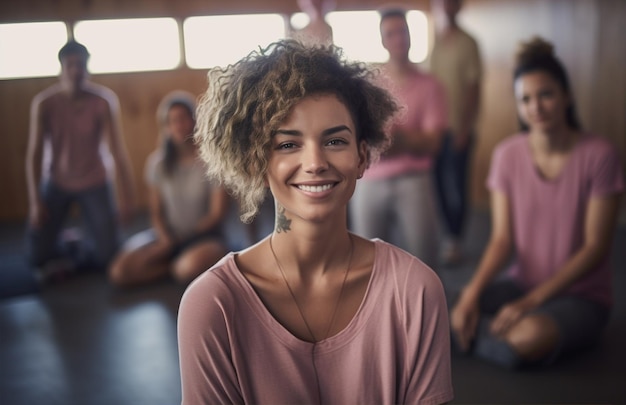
(75, 156)
(424, 108)
(549, 215)
(396, 349)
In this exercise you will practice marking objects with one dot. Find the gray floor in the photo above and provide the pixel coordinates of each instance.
(83, 342)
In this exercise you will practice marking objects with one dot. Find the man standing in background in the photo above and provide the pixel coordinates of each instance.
(395, 199)
(455, 61)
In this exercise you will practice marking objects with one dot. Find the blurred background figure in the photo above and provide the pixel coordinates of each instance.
(74, 132)
(395, 199)
(186, 210)
(455, 61)
(555, 193)
(239, 234)
(317, 31)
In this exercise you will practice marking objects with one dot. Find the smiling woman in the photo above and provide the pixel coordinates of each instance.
(314, 296)
(316, 159)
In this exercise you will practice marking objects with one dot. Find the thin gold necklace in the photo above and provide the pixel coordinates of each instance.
(293, 296)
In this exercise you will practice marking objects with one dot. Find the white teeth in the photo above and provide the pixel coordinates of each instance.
(315, 189)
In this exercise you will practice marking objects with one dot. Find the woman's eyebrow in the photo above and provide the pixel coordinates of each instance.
(333, 130)
(293, 132)
(326, 132)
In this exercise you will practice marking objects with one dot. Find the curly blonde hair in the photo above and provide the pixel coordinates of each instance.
(246, 102)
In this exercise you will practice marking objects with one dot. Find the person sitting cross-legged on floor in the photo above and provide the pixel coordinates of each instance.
(186, 209)
(555, 193)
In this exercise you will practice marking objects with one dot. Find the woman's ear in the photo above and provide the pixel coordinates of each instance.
(362, 157)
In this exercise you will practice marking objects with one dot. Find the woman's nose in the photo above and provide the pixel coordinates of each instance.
(314, 159)
(534, 105)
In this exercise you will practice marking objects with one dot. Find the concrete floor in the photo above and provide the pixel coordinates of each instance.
(83, 342)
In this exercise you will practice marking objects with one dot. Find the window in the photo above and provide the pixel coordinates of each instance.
(147, 44)
(358, 33)
(221, 40)
(31, 49)
(130, 45)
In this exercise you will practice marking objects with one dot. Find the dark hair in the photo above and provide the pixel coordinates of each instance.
(174, 99)
(538, 55)
(246, 103)
(73, 48)
(385, 13)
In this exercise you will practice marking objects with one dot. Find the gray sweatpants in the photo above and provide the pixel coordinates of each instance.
(400, 210)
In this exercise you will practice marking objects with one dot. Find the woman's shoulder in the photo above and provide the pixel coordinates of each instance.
(598, 157)
(402, 265)
(387, 251)
(211, 302)
(597, 144)
(214, 285)
(154, 165)
(511, 148)
(512, 142)
(410, 281)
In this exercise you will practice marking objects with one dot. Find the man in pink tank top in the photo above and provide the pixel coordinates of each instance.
(74, 131)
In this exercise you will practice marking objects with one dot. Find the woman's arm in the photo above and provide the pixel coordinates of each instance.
(208, 375)
(218, 208)
(464, 316)
(157, 218)
(427, 353)
(600, 219)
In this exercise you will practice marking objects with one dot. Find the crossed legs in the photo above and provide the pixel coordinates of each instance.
(146, 260)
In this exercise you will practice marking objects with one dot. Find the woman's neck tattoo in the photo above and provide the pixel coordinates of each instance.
(283, 224)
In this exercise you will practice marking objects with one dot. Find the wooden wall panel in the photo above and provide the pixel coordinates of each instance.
(588, 35)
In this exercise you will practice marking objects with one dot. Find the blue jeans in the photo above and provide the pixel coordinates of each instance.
(451, 174)
(101, 239)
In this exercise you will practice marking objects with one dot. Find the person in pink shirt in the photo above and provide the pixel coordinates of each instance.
(396, 199)
(311, 314)
(75, 134)
(555, 193)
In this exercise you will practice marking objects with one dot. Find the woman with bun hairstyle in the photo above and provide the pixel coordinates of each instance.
(186, 209)
(555, 193)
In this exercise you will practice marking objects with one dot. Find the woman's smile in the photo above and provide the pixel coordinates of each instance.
(316, 188)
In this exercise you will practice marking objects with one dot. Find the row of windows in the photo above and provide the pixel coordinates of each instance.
(148, 44)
